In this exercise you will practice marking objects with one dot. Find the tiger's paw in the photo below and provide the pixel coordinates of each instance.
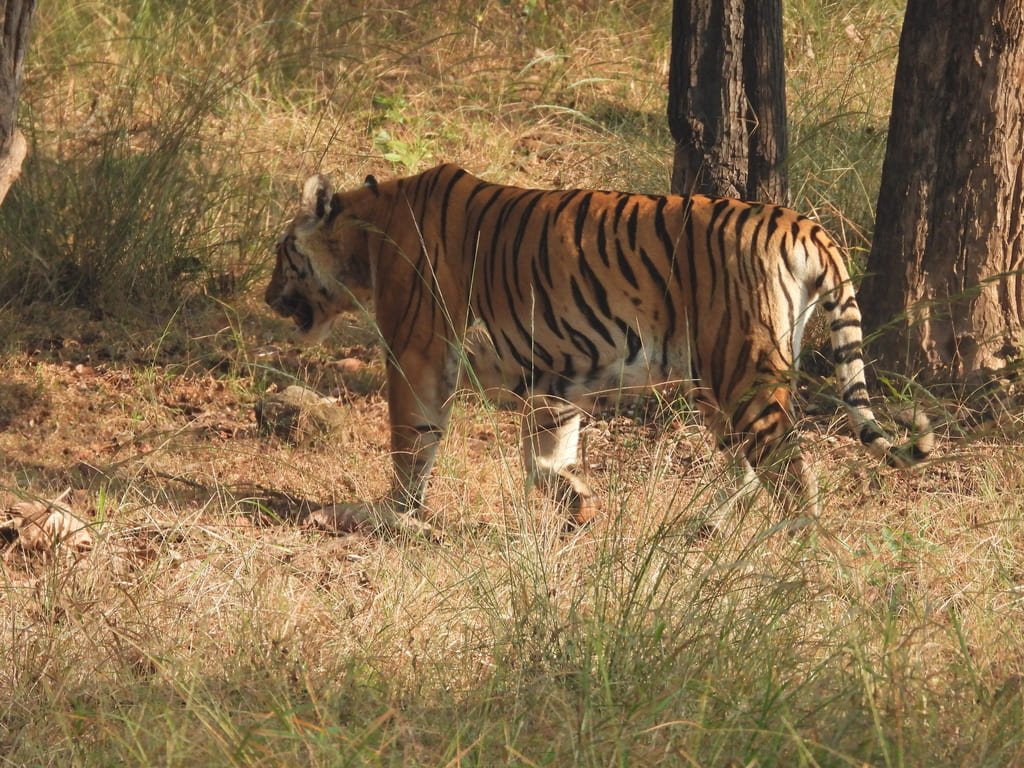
(578, 500)
(367, 517)
(581, 513)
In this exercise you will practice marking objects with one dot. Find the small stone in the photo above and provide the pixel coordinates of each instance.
(349, 365)
(299, 415)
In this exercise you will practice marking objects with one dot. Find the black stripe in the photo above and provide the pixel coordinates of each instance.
(631, 227)
(602, 238)
(446, 201)
(595, 285)
(509, 261)
(414, 301)
(472, 232)
(839, 325)
(758, 243)
(581, 218)
(632, 339)
(556, 418)
(289, 253)
(569, 369)
(741, 221)
(791, 318)
(652, 270)
(420, 214)
(433, 179)
(542, 249)
(620, 206)
(740, 366)
(633, 344)
(536, 349)
(694, 307)
(670, 309)
(869, 433)
(517, 241)
(859, 387)
(583, 344)
(524, 363)
(506, 260)
(848, 352)
(567, 197)
(547, 310)
(593, 282)
(731, 440)
(773, 220)
(771, 409)
(666, 239)
(588, 313)
(624, 266)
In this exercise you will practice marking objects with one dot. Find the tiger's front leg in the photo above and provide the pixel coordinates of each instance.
(550, 440)
(419, 403)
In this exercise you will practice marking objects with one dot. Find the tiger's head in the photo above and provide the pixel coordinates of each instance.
(323, 264)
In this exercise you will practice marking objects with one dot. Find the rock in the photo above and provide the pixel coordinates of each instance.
(368, 517)
(349, 365)
(45, 526)
(299, 415)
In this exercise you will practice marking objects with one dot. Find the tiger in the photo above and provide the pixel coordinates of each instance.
(562, 296)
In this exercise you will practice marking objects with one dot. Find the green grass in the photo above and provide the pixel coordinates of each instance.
(169, 142)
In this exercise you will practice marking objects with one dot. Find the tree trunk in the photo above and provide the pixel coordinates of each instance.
(707, 107)
(727, 99)
(17, 17)
(948, 251)
(764, 77)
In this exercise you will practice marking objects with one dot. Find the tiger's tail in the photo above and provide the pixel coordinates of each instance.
(840, 302)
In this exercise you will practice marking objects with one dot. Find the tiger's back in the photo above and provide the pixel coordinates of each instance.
(581, 292)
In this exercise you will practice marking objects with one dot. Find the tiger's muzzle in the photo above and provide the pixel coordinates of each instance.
(293, 306)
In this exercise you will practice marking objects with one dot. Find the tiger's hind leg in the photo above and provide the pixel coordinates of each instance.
(550, 440)
(737, 495)
(772, 447)
(764, 449)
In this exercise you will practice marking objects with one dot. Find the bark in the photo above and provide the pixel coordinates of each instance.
(946, 259)
(727, 99)
(707, 106)
(17, 18)
(764, 76)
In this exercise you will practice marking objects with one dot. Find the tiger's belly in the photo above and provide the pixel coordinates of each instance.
(623, 376)
(580, 377)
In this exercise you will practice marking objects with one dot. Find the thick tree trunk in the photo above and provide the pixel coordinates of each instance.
(727, 99)
(948, 252)
(764, 76)
(17, 17)
(707, 107)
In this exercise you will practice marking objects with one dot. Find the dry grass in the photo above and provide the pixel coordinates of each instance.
(206, 626)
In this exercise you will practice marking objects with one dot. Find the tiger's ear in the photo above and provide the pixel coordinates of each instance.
(371, 182)
(317, 196)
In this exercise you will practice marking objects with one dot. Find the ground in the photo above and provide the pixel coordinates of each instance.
(86, 410)
(202, 568)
